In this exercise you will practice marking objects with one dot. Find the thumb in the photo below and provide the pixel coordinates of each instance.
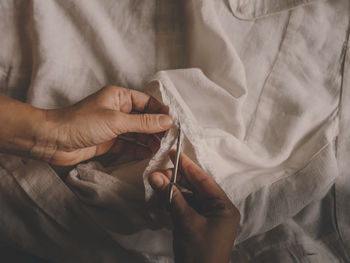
(144, 123)
(179, 208)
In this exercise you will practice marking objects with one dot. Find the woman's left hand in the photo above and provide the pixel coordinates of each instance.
(92, 126)
(87, 129)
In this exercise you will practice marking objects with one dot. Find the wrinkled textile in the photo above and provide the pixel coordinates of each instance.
(256, 86)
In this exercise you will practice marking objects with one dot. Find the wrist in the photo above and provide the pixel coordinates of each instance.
(44, 135)
(26, 131)
(34, 135)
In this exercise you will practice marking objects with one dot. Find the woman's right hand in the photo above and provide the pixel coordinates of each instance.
(205, 222)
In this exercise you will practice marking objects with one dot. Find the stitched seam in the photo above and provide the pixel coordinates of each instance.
(273, 68)
(344, 55)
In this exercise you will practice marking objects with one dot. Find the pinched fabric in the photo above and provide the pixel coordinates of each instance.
(259, 88)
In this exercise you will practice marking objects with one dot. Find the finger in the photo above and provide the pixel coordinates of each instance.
(180, 180)
(203, 183)
(159, 182)
(179, 209)
(142, 123)
(63, 158)
(110, 97)
(154, 106)
(121, 99)
(103, 148)
(143, 102)
(126, 100)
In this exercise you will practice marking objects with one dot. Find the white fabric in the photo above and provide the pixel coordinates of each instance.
(342, 185)
(257, 99)
(230, 161)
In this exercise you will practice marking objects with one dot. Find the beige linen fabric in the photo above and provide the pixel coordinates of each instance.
(257, 91)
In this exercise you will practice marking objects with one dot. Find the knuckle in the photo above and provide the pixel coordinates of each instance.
(109, 97)
(229, 210)
(219, 206)
(118, 125)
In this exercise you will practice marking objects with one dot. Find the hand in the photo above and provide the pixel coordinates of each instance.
(205, 222)
(89, 128)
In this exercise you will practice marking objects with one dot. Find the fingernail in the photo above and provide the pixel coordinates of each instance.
(156, 180)
(165, 121)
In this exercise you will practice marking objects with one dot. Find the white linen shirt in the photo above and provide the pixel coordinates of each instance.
(257, 86)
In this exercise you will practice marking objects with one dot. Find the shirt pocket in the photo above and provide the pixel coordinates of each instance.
(300, 95)
(252, 9)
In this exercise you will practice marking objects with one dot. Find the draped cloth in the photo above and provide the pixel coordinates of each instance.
(259, 90)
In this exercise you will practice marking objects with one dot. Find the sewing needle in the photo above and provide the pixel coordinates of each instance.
(176, 166)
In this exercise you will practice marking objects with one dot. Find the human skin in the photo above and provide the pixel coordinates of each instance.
(84, 130)
(204, 228)
(204, 223)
